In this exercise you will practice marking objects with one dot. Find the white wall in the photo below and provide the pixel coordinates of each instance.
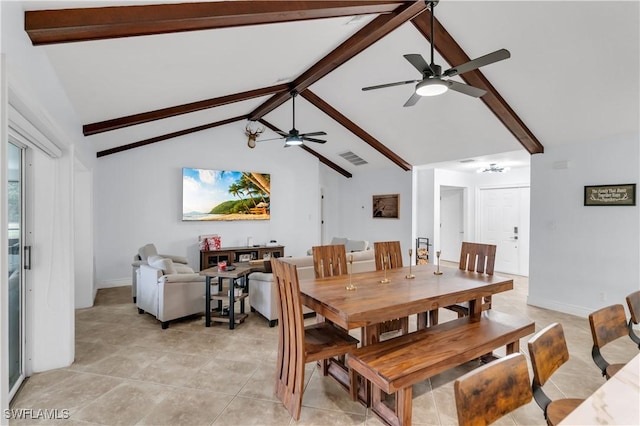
(139, 199)
(583, 258)
(353, 207)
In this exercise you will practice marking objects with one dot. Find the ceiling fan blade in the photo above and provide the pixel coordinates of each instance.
(281, 133)
(381, 86)
(313, 140)
(490, 58)
(412, 100)
(466, 89)
(265, 140)
(418, 62)
(313, 134)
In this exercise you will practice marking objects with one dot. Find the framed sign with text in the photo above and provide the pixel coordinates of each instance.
(610, 195)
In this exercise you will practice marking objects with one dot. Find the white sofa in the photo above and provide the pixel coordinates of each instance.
(263, 295)
(168, 293)
(350, 246)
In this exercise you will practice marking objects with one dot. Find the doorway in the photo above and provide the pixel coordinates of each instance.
(504, 221)
(451, 222)
(16, 265)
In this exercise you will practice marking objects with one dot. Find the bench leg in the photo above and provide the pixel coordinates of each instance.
(404, 398)
(402, 414)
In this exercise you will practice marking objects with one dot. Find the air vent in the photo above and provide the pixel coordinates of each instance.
(352, 158)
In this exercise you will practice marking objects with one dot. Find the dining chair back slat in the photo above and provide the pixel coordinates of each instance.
(489, 392)
(548, 351)
(389, 256)
(298, 344)
(329, 261)
(607, 324)
(478, 257)
(474, 257)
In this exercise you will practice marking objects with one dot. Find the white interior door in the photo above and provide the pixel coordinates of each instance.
(504, 221)
(451, 222)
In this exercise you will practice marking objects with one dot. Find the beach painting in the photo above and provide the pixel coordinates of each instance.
(225, 195)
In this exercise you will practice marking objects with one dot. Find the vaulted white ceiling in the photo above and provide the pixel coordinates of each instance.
(573, 76)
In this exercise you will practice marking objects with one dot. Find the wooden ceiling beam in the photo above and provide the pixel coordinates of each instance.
(145, 117)
(355, 129)
(324, 160)
(451, 51)
(368, 35)
(169, 136)
(99, 23)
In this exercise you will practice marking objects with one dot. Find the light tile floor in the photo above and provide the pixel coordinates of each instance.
(128, 371)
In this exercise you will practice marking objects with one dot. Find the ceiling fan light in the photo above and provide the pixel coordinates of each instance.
(431, 87)
(293, 140)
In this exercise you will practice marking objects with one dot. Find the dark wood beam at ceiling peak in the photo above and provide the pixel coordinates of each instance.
(324, 160)
(169, 136)
(145, 117)
(98, 23)
(365, 37)
(355, 129)
(451, 51)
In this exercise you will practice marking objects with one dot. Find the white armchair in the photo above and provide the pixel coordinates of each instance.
(168, 294)
(140, 258)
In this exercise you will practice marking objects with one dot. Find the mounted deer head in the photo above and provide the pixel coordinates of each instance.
(253, 135)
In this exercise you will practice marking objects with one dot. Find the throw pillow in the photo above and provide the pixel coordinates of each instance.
(163, 263)
(146, 251)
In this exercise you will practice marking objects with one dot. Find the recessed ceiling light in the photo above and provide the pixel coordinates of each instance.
(469, 160)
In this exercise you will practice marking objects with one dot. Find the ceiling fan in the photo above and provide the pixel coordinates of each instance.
(294, 137)
(434, 81)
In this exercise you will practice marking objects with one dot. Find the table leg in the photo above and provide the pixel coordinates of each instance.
(245, 281)
(207, 302)
(232, 295)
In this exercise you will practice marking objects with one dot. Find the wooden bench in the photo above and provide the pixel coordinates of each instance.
(394, 365)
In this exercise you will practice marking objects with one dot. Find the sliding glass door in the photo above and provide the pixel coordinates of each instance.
(15, 193)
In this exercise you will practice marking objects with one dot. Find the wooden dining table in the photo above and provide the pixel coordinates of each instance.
(373, 302)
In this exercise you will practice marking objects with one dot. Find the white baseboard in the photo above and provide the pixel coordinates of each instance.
(117, 282)
(566, 308)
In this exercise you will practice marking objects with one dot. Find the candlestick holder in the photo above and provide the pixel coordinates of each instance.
(384, 268)
(410, 276)
(350, 286)
(437, 271)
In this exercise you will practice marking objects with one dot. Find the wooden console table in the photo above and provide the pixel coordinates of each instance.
(210, 259)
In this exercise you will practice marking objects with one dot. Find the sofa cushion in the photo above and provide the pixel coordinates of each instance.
(182, 268)
(335, 241)
(356, 245)
(146, 251)
(163, 263)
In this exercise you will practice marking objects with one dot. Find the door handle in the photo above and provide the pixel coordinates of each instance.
(27, 257)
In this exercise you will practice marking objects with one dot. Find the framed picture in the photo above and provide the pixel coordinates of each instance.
(386, 206)
(225, 195)
(610, 195)
(244, 257)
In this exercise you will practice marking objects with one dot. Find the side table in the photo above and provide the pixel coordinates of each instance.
(239, 273)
